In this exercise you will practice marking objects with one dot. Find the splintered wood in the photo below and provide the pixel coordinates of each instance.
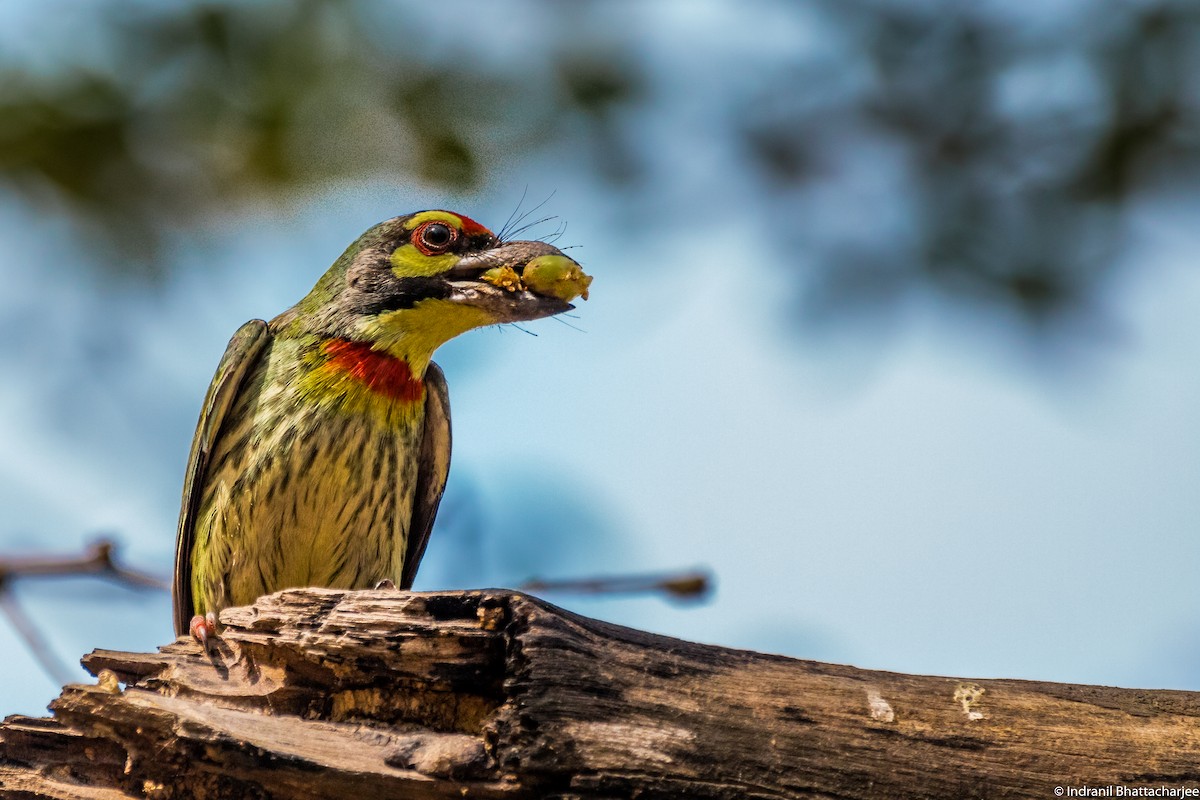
(494, 694)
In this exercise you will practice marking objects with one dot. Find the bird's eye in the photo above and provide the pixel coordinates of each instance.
(433, 238)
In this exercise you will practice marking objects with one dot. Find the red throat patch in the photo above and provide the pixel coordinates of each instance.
(381, 373)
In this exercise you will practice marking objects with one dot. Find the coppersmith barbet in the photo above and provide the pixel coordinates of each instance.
(324, 441)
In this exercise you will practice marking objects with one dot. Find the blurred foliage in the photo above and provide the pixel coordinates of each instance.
(1014, 141)
(1009, 143)
(206, 107)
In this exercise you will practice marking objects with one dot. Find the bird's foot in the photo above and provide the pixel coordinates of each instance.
(204, 628)
(386, 583)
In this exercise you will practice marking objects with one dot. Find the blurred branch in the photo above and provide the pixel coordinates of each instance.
(38, 646)
(99, 559)
(691, 585)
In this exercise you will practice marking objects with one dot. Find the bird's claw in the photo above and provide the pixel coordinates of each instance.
(204, 628)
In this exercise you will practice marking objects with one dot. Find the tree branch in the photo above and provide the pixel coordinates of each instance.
(98, 559)
(692, 585)
(29, 633)
(322, 693)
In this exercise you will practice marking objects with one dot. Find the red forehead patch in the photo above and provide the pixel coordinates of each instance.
(472, 228)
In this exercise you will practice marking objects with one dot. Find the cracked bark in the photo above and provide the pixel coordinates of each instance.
(495, 694)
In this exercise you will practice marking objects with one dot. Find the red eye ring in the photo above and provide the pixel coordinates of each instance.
(434, 237)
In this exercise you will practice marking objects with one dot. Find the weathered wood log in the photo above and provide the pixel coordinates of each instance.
(494, 694)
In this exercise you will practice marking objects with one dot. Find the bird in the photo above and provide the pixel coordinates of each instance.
(323, 444)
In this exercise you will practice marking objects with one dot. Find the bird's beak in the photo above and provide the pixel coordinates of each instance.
(518, 281)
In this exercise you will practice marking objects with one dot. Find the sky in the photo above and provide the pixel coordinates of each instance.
(937, 499)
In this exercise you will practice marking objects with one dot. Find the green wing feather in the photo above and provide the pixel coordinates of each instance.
(240, 356)
(432, 468)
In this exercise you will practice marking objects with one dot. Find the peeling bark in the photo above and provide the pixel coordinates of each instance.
(494, 694)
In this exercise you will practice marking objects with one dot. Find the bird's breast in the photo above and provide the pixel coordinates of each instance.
(313, 483)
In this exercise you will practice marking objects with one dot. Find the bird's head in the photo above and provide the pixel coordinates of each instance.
(412, 283)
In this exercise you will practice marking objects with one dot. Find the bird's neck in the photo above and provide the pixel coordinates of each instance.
(413, 334)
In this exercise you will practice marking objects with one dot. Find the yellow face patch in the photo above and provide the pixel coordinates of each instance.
(434, 216)
(414, 333)
(408, 260)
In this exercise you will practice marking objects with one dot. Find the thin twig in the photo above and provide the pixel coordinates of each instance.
(689, 585)
(38, 646)
(98, 559)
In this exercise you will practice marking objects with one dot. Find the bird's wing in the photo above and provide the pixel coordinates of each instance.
(241, 354)
(432, 468)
